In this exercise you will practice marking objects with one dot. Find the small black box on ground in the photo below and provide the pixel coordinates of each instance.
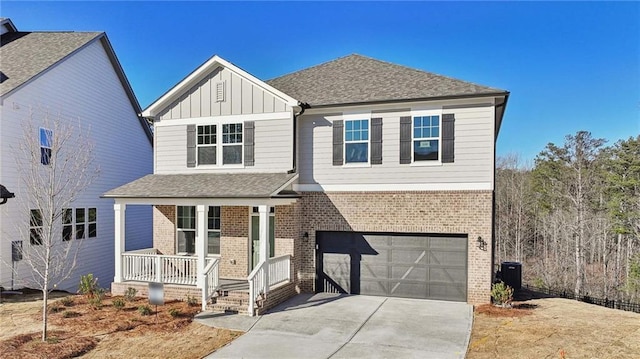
(512, 274)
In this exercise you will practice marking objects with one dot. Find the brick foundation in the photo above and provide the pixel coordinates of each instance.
(277, 296)
(171, 291)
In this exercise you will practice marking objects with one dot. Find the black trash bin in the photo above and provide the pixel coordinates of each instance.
(512, 274)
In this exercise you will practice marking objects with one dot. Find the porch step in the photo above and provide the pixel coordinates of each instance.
(230, 302)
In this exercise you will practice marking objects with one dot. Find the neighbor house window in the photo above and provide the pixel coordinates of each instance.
(232, 143)
(356, 141)
(426, 138)
(92, 222)
(67, 224)
(186, 229)
(80, 223)
(46, 141)
(35, 227)
(207, 140)
(213, 230)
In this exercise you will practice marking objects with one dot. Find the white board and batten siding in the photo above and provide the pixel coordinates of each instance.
(471, 169)
(242, 101)
(85, 88)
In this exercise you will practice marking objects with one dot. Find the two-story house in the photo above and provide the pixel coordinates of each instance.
(354, 176)
(66, 80)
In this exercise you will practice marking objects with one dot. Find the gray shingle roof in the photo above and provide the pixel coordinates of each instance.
(26, 54)
(356, 79)
(203, 185)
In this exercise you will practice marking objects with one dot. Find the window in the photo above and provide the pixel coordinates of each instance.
(92, 222)
(207, 140)
(426, 138)
(67, 224)
(232, 143)
(35, 227)
(80, 223)
(46, 141)
(213, 230)
(356, 141)
(186, 229)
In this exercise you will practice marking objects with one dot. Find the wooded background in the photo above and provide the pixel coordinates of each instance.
(572, 217)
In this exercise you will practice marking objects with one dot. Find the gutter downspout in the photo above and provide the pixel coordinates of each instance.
(303, 106)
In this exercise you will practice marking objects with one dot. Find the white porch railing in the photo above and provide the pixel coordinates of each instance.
(146, 266)
(211, 281)
(279, 272)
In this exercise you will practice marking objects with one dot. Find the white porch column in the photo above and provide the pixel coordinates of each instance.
(201, 243)
(263, 211)
(119, 217)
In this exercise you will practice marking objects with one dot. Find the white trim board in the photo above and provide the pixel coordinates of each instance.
(224, 119)
(477, 186)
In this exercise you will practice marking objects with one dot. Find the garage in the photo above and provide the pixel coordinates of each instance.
(429, 266)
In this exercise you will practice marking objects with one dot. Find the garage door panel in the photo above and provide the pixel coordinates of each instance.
(409, 256)
(409, 289)
(453, 275)
(409, 241)
(409, 273)
(448, 243)
(413, 266)
(442, 257)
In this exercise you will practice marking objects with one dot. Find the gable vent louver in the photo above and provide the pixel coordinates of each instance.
(220, 91)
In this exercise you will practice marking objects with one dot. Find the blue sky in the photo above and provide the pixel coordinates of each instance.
(569, 66)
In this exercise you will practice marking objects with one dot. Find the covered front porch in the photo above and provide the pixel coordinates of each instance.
(196, 264)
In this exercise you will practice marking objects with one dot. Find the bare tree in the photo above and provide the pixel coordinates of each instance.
(55, 163)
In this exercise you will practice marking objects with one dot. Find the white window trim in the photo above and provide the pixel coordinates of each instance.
(355, 117)
(194, 230)
(219, 230)
(220, 145)
(183, 230)
(419, 113)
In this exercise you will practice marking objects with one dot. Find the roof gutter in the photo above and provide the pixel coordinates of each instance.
(303, 106)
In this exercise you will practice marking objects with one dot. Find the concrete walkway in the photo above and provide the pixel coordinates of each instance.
(349, 326)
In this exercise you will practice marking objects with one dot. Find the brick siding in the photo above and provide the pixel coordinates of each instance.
(454, 212)
(164, 229)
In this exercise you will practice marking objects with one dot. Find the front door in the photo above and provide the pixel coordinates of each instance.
(255, 236)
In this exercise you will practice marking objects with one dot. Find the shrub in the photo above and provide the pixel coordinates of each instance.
(144, 310)
(174, 312)
(118, 303)
(191, 301)
(539, 283)
(55, 309)
(130, 294)
(67, 301)
(70, 314)
(502, 294)
(95, 301)
(88, 285)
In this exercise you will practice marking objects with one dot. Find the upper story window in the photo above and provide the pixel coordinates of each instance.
(207, 141)
(356, 141)
(35, 227)
(232, 143)
(426, 138)
(208, 144)
(46, 142)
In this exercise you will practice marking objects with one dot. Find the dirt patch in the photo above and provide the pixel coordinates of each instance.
(554, 328)
(77, 328)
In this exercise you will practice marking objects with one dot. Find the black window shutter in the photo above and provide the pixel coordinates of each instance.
(448, 137)
(338, 139)
(405, 139)
(376, 141)
(249, 143)
(191, 145)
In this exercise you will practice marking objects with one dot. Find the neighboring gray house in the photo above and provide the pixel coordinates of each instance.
(70, 77)
(356, 176)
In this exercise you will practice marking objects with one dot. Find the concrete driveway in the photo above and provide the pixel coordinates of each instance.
(350, 326)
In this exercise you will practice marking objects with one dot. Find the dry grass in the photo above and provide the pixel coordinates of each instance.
(554, 328)
(78, 329)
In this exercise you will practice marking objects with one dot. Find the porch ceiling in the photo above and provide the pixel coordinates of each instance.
(208, 186)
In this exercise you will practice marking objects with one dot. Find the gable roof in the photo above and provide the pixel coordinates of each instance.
(194, 77)
(28, 55)
(359, 79)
